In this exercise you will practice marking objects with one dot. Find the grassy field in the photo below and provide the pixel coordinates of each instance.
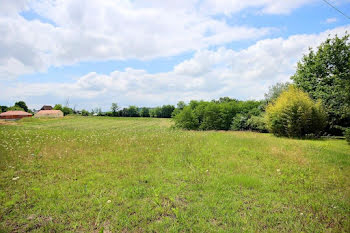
(98, 174)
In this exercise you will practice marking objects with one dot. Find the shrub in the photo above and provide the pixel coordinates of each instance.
(257, 123)
(186, 119)
(239, 122)
(347, 135)
(84, 113)
(295, 114)
(212, 117)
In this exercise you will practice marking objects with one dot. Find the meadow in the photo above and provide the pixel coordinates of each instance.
(99, 174)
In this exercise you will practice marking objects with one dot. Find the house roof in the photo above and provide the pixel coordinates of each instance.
(15, 113)
(46, 107)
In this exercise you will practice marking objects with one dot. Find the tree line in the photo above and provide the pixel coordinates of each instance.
(316, 103)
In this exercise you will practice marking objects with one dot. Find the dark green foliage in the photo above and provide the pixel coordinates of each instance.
(144, 112)
(347, 135)
(3, 108)
(22, 104)
(167, 110)
(155, 112)
(133, 111)
(15, 108)
(212, 119)
(84, 113)
(218, 114)
(114, 109)
(257, 123)
(58, 107)
(239, 122)
(67, 110)
(325, 75)
(162, 112)
(186, 119)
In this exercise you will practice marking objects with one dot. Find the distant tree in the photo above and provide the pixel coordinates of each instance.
(15, 108)
(166, 111)
(114, 109)
(133, 111)
(84, 113)
(58, 107)
(22, 104)
(240, 122)
(275, 91)
(211, 117)
(144, 112)
(67, 110)
(181, 105)
(325, 75)
(3, 108)
(186, 119)
(156, 112)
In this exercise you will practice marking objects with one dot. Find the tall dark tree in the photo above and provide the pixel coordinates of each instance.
(114, 109)
(22, 104)
(325, 75)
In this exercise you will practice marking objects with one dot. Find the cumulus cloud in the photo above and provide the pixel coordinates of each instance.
(88, 30)
(209, 74)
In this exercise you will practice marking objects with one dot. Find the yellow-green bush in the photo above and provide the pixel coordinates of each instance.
(295, 114)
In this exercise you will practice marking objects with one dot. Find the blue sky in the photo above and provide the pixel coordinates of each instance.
(149, 53)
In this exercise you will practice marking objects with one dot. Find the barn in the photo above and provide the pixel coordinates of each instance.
(14, 115)
(49, 113)
(46, 107)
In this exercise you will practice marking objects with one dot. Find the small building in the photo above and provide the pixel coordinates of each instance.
(14, 115)
(49, 113)
(46, 107)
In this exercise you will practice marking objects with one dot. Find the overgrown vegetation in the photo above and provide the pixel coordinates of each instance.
(95, 174)
(295, 114)
(325, 75)
(223, 114)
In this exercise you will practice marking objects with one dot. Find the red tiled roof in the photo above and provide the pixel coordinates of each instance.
(15, 113)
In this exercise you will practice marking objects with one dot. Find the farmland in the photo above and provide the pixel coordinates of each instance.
(95, 174)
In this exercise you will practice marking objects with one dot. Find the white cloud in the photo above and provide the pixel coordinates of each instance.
(209, 74)
(331, 20)
(88, 30)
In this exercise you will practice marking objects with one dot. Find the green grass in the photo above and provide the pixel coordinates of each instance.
(98, 174)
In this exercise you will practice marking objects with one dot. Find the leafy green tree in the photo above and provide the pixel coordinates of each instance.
(22, 104)
(186, 119)
(239, 122)
(114, 109)
(15, 108)
(181, 105)
(295, 114)
(58, 107)
(3, 108)
(325, 75)
(167, 110)
(85, 112)
(67, 110)
(211, 117)
(144, 112)
(275, 91)
(156, 112)
(133, 111)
